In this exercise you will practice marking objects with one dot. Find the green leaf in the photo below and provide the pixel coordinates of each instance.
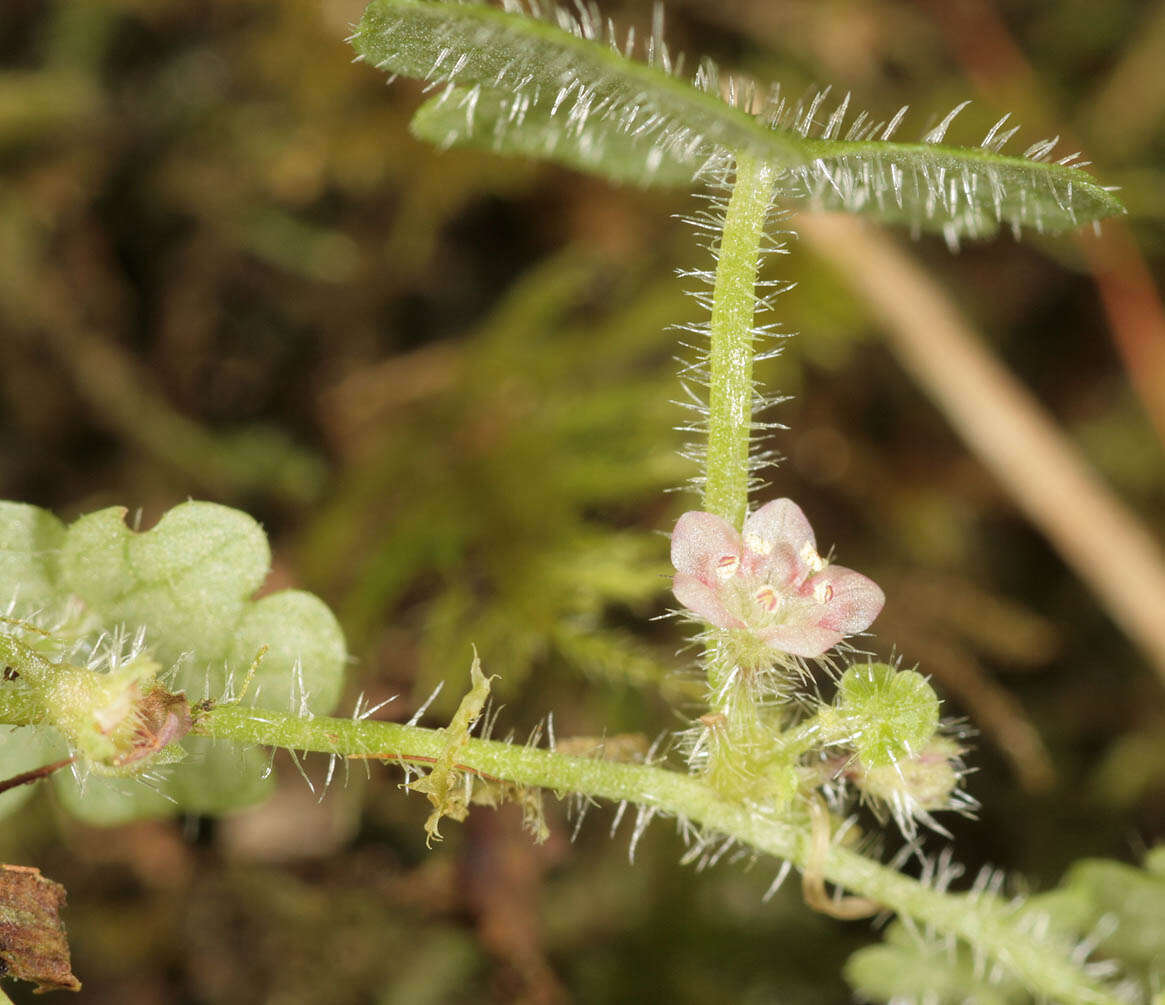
(188, 584)
(22, 749)
(214, 778)
(302, 668)
(188, 580)
(902, 971)
(956, 191)
(534, 61)
(1119, 907)
(559, 87)
(109, 802)
(595, 148)
(219, 777)
(29, 540)
(1136, 898)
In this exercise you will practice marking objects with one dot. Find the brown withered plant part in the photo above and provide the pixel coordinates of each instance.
(33, 944)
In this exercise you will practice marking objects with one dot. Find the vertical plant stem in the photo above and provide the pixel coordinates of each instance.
(731, 332)
(730, 401)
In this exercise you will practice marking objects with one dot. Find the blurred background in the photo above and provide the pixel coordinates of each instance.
(443, 383)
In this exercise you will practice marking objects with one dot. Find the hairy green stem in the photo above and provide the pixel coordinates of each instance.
(985, 922)
(22, 707)
(730, 402)
(731, 354)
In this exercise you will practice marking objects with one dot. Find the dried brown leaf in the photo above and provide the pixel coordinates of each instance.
(33, 944)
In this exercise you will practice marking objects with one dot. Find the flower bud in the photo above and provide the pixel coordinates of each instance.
(891, 714)
(925, 782)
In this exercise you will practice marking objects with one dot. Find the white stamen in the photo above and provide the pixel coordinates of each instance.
(811, 559)
(727, 567)
(756, 543)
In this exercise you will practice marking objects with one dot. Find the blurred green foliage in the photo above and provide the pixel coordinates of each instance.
(442, 383)
(1107, 908)
(558, 406)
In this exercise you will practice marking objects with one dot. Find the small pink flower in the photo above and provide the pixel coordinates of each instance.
(770, 580)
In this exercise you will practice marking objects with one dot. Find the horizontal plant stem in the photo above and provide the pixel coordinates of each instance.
(21, 707)
(730, 355)
(985, 922)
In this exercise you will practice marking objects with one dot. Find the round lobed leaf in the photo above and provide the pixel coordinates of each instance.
(188, 579)
(302, 670)
(106, 801)
(29, 540)
(188, 583)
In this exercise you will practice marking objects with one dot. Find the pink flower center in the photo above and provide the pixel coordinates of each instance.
(767, 599)
(762, 605)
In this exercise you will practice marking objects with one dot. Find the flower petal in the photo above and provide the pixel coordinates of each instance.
(854, 600)
(704, 600)
(700, 542)
(801, 639)
(780, 540)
